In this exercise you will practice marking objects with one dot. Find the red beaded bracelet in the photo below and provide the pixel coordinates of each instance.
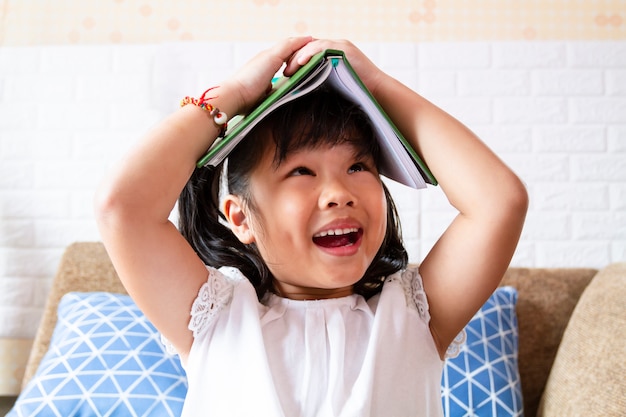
(220, 118)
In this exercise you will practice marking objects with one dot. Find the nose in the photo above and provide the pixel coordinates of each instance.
(335, 193)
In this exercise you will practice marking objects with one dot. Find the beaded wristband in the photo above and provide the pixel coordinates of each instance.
(220, 118)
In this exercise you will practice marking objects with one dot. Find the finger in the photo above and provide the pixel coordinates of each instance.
(304, 54)
(286, 48)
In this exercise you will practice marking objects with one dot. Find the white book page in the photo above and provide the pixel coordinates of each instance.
(396, 161)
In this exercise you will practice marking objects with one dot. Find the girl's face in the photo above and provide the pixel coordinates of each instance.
(319, 219)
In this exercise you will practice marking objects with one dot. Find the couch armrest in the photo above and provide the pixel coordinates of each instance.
(85, 266)
(587, 378)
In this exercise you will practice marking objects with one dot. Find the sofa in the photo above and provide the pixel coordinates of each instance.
(571, 327)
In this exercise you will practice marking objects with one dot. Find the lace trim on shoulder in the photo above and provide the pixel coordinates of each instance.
(411, 283)
(169, 347)
(212, 297)
(456, 346)
(413, 287)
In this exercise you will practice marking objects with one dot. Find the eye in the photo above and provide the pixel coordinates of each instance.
(301, 171)
(358, 167)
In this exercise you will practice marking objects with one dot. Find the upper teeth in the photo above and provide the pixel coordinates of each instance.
(335, 232)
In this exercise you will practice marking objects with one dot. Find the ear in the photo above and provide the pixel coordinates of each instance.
(234, 211)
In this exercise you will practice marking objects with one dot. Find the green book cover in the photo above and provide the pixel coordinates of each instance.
(399, 161)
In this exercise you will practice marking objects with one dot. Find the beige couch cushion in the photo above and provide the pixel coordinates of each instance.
(588, 377)
(547, 297)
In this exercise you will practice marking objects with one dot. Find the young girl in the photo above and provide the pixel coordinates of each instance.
(289, 294)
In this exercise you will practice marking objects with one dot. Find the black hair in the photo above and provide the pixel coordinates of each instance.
(321, 118)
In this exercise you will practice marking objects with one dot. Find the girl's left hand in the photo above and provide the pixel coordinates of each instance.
(369, 73)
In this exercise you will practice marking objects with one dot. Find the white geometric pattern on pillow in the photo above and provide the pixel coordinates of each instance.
(105, 359)
(484, 379)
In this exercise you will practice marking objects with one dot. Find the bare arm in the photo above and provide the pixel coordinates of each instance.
(468, 261)
(157, 266)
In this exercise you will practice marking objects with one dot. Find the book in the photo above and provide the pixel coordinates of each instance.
(399, 160)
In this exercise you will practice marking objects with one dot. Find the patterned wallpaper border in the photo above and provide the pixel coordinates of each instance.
(40, 22)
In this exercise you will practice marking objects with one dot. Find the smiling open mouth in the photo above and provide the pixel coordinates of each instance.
(338, 237)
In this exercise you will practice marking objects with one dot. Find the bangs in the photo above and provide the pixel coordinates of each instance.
(322, 118)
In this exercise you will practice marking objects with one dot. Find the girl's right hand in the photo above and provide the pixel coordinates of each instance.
(253, 81)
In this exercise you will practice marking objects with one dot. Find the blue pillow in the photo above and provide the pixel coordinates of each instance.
(483, 380)
(105, 358)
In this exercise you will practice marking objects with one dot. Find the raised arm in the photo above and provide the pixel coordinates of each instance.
(155, 263)
(468, 261)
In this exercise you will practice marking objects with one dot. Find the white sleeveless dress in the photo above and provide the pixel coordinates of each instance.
(334, 357)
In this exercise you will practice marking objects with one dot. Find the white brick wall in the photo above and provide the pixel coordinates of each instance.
(554, 111)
